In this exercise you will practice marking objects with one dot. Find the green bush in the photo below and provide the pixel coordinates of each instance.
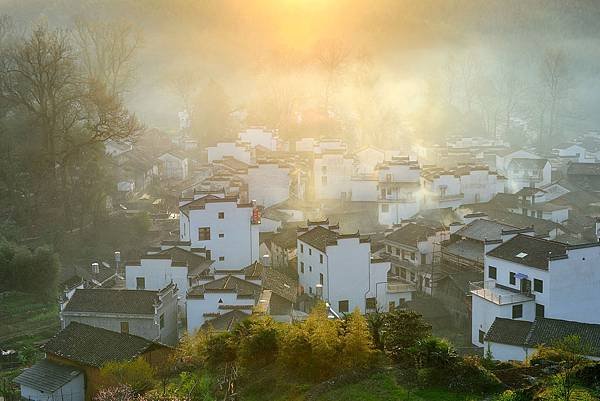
(402, 330)
(433, 352)
(257, 342)
(469, 376)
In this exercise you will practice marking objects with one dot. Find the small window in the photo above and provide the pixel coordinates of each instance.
(538, 285)
(511, 278)
(301, 248)
(412, 256)
(397, 251)
(324, 180)
(310, 251)
(301, 267)
(310, 290)
(321, 258)
(517, 311)
(221, 258)
(492, 272)
(539, 310)
(343, 306)
(125, 327)
(371, 303)
(321, 278)
(221, 235)
(140, 283)
(162, 321)
(203, 233)
(388, 248)
(310, 268)
(427, 282)
(481, 336)
(221, 215)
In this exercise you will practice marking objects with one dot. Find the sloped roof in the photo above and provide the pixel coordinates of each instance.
(583, 169)
(226, 321)
(544, 331)
(318, 237)
(286, 239)
(536, 251)
(280, 283)
(482, 229)
(94, 346)
(411, 234)
(196, 263)
(228, 283)
(47, 376)
(102, 300)
(525, 163)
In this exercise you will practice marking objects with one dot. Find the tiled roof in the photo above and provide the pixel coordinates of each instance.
(100, 300)
(410, 234)
(583, 169)
(47, 376)
(318, 237)
(482, 229)
(228, 283)
(508, 331)
(196, 263)
(533, 252)
(94, 346)
(280, 283)
(286, 239)
(525, 163)
(544, 331)
(226, 321)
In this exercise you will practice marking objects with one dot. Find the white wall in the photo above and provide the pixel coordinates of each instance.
(158, 273)
(363, 190)
(196, 307)
(235, 150)
(268, 184)
(259, 136)
(337, 168)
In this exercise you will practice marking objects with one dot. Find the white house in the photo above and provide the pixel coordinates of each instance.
(526, 172)
(339, 269)
(226, 290)
(260, 136)
(527, 277)
(148, 314)
(268, 182)
(367, 158)
(239, 150)
(227, 229)
(332, 170)
(517, 340)
(573, 152)
(172, 262)
(174, 165)
(399, 188)
(50, 381)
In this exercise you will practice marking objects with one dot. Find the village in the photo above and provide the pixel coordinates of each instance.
(495, 247)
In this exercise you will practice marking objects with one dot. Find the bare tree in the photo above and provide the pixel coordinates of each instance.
(332, 56)
(555, 81)
(184, 85)
(108, 52)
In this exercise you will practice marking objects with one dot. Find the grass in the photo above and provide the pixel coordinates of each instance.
(26, 321)
(383, 387)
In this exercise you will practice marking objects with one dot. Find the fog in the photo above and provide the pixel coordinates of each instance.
(384, 70)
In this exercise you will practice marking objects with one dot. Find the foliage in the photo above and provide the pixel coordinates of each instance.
(402, 330)
(23, 270)
(433, 352)
(469, 376)
(192, 386)
(376, 321)
(138, 375)
(115, 393)
(257, 342)
(357, 344)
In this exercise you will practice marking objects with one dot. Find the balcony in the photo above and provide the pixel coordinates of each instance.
(397, 199)
(395, 287)
(499, 294)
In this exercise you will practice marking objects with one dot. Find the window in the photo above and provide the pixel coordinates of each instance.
(203, 233)
(301, 267)
(517, 311)
(511, 278)
(208, 254)
(492, 272)
(538, 285)
(402, 272)
(221, 235)
(371, 303)
(321, 278)
(481, 336)
(391, 305)
(398, 251)
(125, 327)
(221, 215)
(221, 258)
(388, 248)
(412, 256)
(427, 282)
(324, 180)
(385, 208)
(310, 268)
(343, 306)
(301, 248)
(140, 283)
(162, 321)
(321, 258)
(539, 310)
(310, 290)
(310, 251)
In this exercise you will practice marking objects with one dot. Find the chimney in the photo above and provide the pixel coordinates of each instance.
(95, 268)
